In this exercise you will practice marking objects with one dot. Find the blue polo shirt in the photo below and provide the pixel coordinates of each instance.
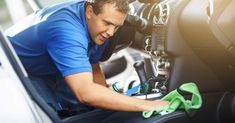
(57, 42)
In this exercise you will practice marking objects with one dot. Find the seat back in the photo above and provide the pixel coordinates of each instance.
(211, 37)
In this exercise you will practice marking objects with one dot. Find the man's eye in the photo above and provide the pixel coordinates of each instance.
(107, 23)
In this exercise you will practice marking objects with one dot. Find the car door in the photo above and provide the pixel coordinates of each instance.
(19, 102)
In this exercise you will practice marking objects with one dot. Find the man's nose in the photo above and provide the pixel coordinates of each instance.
(111, 30)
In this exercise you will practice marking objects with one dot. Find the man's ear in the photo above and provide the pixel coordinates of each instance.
(89, 11)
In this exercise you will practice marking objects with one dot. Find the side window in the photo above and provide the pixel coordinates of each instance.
(5, 19)
(45, 3)
(12, 11)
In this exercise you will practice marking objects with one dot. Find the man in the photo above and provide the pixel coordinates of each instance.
(65, 42)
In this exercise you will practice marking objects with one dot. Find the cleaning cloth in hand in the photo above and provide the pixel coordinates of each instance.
(177, 101)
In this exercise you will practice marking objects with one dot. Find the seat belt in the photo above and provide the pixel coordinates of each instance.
(178, 101)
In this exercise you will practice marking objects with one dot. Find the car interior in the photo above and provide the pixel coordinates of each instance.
(199, 43)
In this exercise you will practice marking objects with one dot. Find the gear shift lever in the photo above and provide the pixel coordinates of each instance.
(145, 87)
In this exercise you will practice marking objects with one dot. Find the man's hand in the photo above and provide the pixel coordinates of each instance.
(159, 104)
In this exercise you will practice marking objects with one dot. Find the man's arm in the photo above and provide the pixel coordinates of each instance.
(91, 93)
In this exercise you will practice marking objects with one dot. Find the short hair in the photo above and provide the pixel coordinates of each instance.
(121, 5)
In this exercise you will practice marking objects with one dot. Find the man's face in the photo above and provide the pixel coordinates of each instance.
(105, 24)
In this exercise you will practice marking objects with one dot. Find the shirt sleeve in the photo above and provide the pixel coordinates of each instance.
(68, 45)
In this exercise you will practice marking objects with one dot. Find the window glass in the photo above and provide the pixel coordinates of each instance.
(45, 3)
(5, 20)
(11, 13)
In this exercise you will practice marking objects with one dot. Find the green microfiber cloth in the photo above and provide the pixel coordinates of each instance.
(177, 101)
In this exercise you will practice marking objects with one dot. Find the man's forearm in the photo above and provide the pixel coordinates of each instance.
(102, 97)
(94, 94)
